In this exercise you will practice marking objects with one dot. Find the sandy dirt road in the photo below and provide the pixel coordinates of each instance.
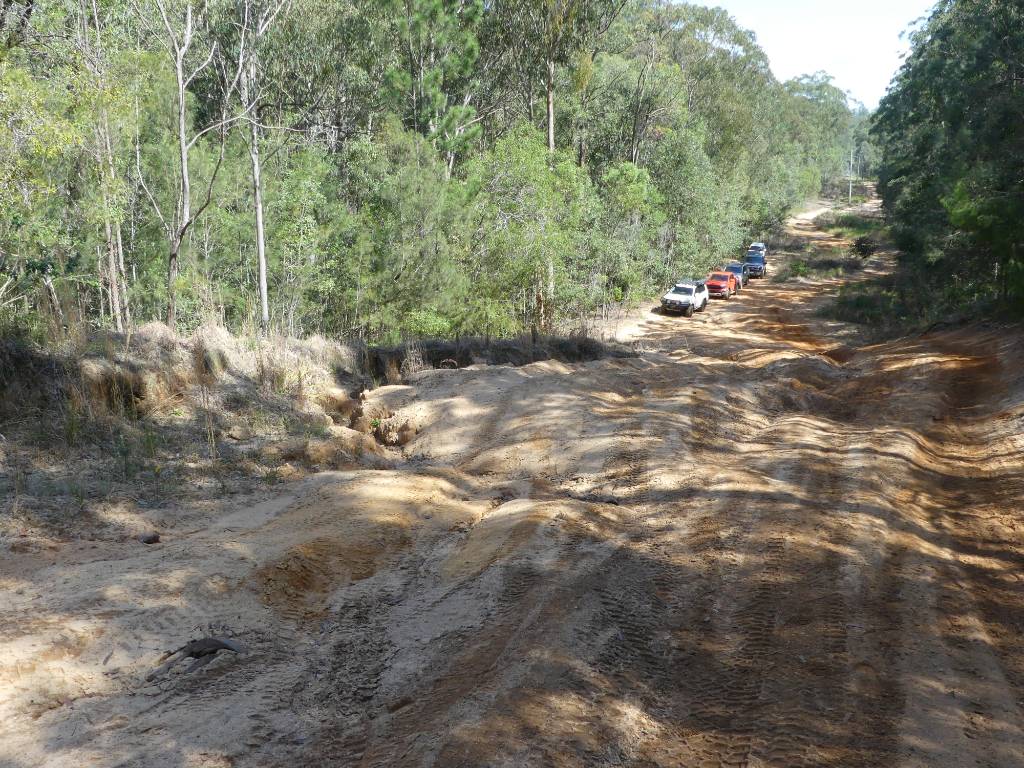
(759, 543)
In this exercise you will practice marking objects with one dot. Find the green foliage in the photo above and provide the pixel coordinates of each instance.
(850, 225)
(531, 220)
(633, 222)
(406, 189)
(874, 304)
(38, 144)
(952, 159)
(820, 263)
(437, 51)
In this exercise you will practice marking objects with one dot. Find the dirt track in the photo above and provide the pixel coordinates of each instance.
(760, 543)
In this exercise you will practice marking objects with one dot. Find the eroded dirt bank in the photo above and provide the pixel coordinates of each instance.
(758, 544)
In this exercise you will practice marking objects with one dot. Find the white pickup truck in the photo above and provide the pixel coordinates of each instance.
(685, 298)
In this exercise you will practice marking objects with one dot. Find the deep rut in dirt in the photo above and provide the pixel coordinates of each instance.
(759, 544)
(759, 594)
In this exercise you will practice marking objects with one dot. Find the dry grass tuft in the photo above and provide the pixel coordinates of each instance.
(207, 363)
(111, 387)
(338, 404)
(393, 371)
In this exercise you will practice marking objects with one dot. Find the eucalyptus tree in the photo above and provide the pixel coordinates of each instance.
(547, 34)
(242, 51)
(104, 95)
(303, 162)
(182, 32)
(952, 156)
(40, 140)
(823, 121)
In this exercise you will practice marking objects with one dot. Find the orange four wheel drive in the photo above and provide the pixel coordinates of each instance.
(721, 284)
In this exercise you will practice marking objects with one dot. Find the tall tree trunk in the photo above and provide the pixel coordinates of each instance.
(118, 242)
(113, 277)
(125, 304)
(51, 292)
(116, 288)
(185, 204)
(257, 193)
(261, 249)
(550, 303)
(179, 40)
(99, 286)
(530, 109)
(172, 279)
(549, 87)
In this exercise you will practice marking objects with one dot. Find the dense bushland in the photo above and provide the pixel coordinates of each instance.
(385, 170)
(952, 164)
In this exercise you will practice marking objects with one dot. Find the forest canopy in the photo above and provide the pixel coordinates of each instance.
(384, 169)
(952, 165)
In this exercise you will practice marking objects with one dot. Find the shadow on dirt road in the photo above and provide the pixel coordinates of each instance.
(762, 543)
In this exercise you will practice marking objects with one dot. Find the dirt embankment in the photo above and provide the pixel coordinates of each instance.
(761, 542)
(98, 441)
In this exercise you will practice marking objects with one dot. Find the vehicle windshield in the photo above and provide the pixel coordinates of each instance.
(720, 276)
(683, 290)
(735, 268)
(755, 258)
(756, 247)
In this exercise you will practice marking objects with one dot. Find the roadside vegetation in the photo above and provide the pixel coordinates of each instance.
(221, 222)
(386, 171)
(159, 416)
(864, 233)
(851, 225)
(951, 166)
(817, 263)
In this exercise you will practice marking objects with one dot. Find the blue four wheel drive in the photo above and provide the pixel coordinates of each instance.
(757, 259)
(755, 262)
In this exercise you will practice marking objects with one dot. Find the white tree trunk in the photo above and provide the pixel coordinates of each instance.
(247, 83)
(113, 278)
(125, 303)
(549, 84)
(184, 212)
(118, 242)
(261, 249)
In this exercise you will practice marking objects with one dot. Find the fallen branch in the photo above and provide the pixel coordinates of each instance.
(203, 651)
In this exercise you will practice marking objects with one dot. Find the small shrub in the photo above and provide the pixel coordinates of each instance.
(318, 431)
(19, 481)
(299, 389)
(74, 424)
(270, 376)
(413, 361)
(125, 452)
(865, 246)
(207, 363)
(850, 224)
(873, 304)
(795, 269)
(150, 442)
(113, 387)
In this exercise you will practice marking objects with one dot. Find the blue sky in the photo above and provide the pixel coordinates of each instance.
(858, 43)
